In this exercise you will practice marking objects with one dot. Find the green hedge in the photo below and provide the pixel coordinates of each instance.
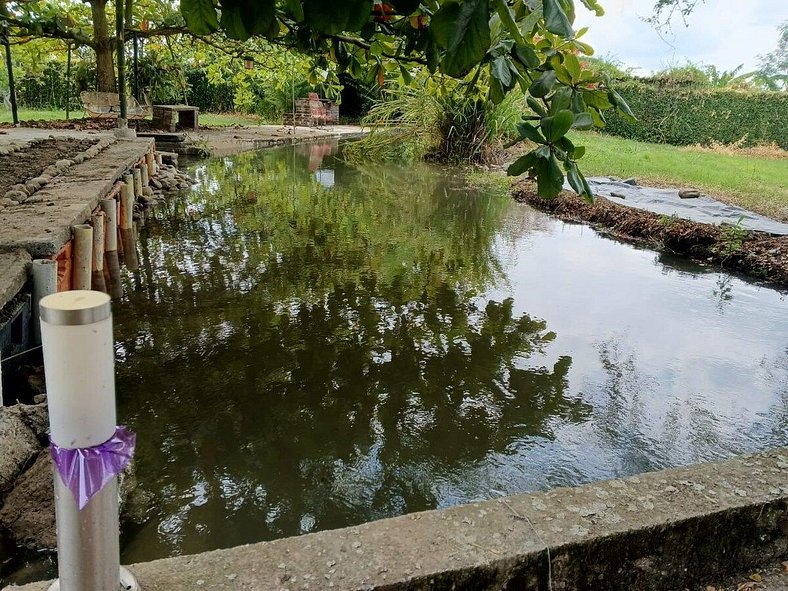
(686, 115)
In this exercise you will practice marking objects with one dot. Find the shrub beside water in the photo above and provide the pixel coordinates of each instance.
(685, 115)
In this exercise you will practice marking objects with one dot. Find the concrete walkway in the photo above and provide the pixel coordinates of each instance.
(43, 227)
(222, 141)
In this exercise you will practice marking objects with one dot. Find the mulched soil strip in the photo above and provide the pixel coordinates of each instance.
(86, 124)
(28, 163)
(755, 253)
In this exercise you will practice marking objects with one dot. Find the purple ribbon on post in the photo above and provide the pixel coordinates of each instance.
(86, 470)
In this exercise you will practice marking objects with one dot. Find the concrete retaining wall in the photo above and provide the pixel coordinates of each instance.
(660, 531)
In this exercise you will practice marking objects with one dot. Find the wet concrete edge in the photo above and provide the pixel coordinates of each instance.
(660, 531)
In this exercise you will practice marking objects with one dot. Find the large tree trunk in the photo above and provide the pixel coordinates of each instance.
(105, 66)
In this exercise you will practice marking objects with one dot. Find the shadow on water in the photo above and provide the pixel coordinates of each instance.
(308, 345)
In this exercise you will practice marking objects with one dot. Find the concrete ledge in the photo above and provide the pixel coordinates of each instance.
(13, 274)
(660, 531)
(44, 226)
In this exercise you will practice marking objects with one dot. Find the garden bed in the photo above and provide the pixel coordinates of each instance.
(20, 166)
(755, 253)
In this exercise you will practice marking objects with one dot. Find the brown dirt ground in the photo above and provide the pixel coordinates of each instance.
(19, 167)
(771, 578)
(757, 254)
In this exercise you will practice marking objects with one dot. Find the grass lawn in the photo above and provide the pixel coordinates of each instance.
(210, 119)
(757, 182)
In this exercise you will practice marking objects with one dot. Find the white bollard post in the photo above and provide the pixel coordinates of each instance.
(76, 330)
(44, 284)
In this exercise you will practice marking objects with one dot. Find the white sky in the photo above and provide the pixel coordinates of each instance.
(724, 33)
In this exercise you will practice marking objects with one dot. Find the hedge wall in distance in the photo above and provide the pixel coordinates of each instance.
(683, 115)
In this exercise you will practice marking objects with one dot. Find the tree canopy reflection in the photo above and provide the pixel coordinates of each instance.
(316, 357)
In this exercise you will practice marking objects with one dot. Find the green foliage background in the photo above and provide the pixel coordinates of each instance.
(683, 115)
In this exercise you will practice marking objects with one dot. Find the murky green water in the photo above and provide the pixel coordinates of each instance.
(308, 346)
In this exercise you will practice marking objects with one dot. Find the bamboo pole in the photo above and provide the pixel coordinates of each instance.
(129, 249)
(98, 223)
(110, 208)
(144, 177)
(126, 205)
(83, 255)
(150, 160)
(137, 175)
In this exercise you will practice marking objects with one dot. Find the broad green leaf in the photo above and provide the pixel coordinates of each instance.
(568, 6)
(259, 17)
(555, 127)
(583, 121)
(499, 69)
(549, 177)
(543, 152)
(542, 86)
(598, 117)
(566, 144)
(572, 65)
(563, 75)
(598, 99)
(407, 78)
(561, 99)
(594, 5)
(555, 19)
(584, 48)
(622, 106)
(580, 151)
(526, 56)
(334, 17)
(463, 29)
(578, 182)
(497, 92)
(295, 10)
(523, 164)
(536, 106)
(530, 132)
(200, 16)
(233, 23)
(507, 18)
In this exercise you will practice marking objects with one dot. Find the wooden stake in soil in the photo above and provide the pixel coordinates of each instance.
(129, 249)
(83, 256)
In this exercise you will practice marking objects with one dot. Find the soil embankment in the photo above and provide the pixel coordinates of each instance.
(757, 254)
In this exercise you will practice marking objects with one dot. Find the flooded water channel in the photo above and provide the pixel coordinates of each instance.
(310, 345)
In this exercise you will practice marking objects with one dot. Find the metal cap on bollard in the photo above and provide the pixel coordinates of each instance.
(76, 334)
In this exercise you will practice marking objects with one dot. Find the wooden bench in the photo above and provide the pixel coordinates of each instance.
(168, 117)
(106, 105)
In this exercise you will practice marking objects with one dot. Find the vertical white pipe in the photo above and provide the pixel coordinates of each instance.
(82, 255)
(81, 397)
(44, 284)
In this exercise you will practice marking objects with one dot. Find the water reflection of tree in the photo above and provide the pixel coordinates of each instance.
(317, 358)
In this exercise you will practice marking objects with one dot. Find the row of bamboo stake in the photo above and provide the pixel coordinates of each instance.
(110, 231)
